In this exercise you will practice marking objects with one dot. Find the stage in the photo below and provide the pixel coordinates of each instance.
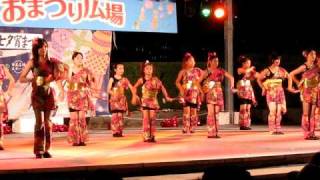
(173, 152)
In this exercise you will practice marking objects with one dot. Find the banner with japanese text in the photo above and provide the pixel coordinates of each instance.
(112, 15)
(17, 40)
(15, 51)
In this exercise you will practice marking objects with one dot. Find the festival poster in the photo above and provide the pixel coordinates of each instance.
(15, 51)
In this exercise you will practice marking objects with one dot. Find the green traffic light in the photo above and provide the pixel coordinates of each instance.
(206, 12)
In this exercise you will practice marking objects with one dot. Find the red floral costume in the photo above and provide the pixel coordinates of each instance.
(275, 94)
(149, 101)
(246, 96)
(42, 99)
(214, 95)
(191, 97)
(309, 86)
(3, 102)
(78, 96)
(118, 104)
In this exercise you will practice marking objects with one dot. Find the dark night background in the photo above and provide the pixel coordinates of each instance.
(260, 26)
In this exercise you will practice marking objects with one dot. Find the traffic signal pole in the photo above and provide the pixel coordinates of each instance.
(228, 43)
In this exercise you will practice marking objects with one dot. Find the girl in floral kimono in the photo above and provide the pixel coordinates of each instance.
(190, 91)
(273, 77)
(118, 101)
(79, 101)
(151, 85)
(308, 86)
(4, 74)
(45, 70)
(246, 74)
(212, 87)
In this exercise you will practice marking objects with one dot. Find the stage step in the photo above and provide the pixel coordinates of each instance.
(270, 173)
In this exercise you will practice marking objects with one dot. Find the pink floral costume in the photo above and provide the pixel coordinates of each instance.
(275, 94)
(191, 92)
(191, 97)
(244, 87)
(149, 101)
(214, 95)
(78, 96)
(309, 86)
(246, 96)
(3, 102)
(118, 104)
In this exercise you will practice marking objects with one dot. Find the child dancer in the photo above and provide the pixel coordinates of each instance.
(151, 85)
(118, 101)
(45, 71)
(213, 78)
(272, 88)
(189, 87)
(79, 101)
(4, 74)
(245, 92)
(308, 92)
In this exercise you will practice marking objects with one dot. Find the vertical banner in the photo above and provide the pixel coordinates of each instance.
(17, 40)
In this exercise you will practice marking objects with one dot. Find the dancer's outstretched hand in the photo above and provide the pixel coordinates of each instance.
(255, 103)
(92, 113)
(263, 93)
(292, 90)
(169, 99)
(283, 109)
(135, 100)
(234, 90)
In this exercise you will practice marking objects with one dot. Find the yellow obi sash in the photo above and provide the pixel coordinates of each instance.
(39, 80)
(2, 97)
(76, 86)
(2, 100)
(244, 82)
(189, 85)
(209, 85)
(272, 83)
(149, 93)
(310, 83)
(118, 91)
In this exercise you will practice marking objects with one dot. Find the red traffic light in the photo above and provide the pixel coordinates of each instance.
(219, 12)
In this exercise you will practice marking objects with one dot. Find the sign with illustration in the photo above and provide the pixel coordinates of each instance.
(15, 51)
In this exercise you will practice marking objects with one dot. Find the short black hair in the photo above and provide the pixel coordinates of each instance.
(274, 56)
(75, 54)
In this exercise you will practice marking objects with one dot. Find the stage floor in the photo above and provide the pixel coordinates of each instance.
(104, 151)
